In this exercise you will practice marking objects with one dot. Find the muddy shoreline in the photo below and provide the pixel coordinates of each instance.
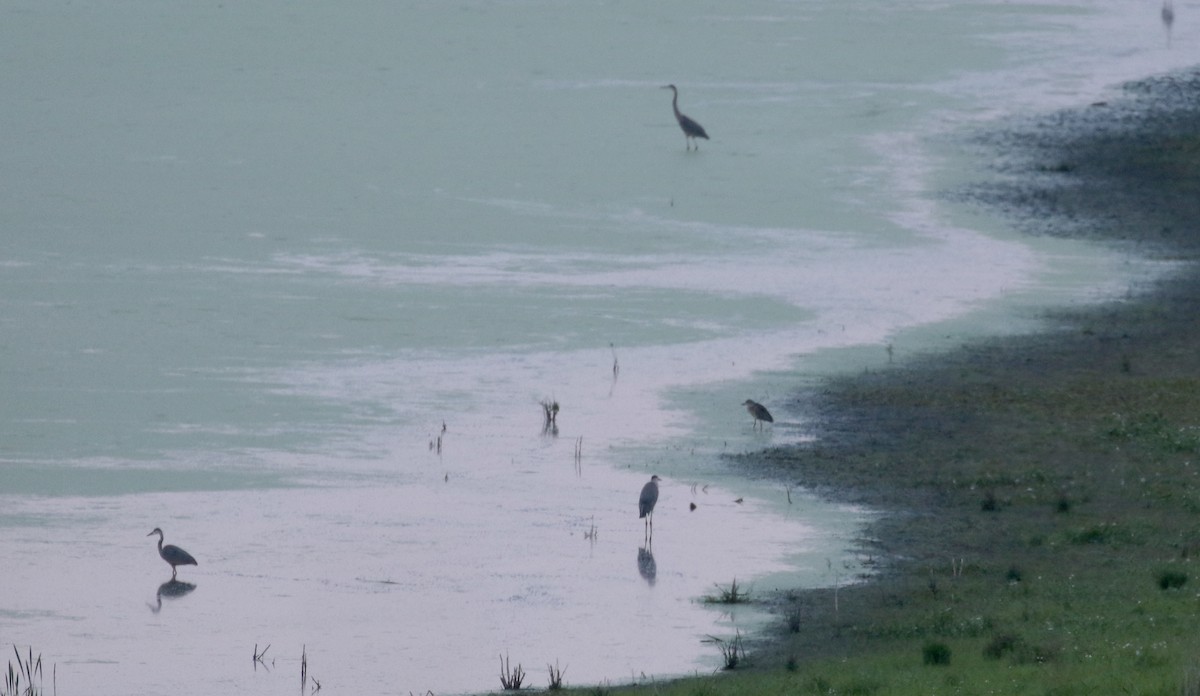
(971, 455)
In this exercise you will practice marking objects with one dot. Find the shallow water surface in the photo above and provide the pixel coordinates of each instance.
(292, 282)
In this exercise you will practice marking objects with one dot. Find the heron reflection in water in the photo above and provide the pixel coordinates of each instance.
(172, 554)
(171, 589)
(646, 565)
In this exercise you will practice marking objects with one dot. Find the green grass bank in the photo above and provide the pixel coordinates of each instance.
(1041, 493)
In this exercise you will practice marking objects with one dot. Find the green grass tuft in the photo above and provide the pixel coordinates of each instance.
(733, 594)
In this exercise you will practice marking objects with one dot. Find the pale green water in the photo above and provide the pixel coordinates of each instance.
(254, 255)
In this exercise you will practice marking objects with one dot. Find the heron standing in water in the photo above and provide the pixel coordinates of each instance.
(759, 412)
(646, 502)
(172, 554)
(691, 129)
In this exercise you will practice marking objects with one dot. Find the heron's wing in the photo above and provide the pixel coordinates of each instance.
(691, 127)
(647, 499)
(177, 556)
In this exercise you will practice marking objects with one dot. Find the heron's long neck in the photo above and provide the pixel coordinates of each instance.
(160, 540)
(675, 101)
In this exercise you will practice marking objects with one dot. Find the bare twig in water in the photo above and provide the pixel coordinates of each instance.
(550, 411)
(616, 371)
(258, 656)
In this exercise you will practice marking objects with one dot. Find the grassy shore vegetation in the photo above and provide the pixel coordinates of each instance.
(1041, 494)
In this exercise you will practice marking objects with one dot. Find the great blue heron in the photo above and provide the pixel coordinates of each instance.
(759, 412)
(172, 554)
(646, 502)
(691, 129)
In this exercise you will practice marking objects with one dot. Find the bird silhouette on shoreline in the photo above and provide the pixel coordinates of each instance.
(691, 129)
(172, 554)
(759, 412)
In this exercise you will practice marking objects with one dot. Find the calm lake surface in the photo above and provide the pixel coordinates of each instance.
(291, 281)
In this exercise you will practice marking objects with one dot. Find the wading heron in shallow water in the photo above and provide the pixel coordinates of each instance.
(646, 502)
(759, 412)
(172, 554)
(691, 129)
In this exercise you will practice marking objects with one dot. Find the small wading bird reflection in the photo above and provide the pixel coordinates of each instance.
(646, 503)
(691, 129)
(172, 554)
(759, 412)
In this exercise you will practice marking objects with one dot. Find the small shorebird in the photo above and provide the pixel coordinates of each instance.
(759, 412)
